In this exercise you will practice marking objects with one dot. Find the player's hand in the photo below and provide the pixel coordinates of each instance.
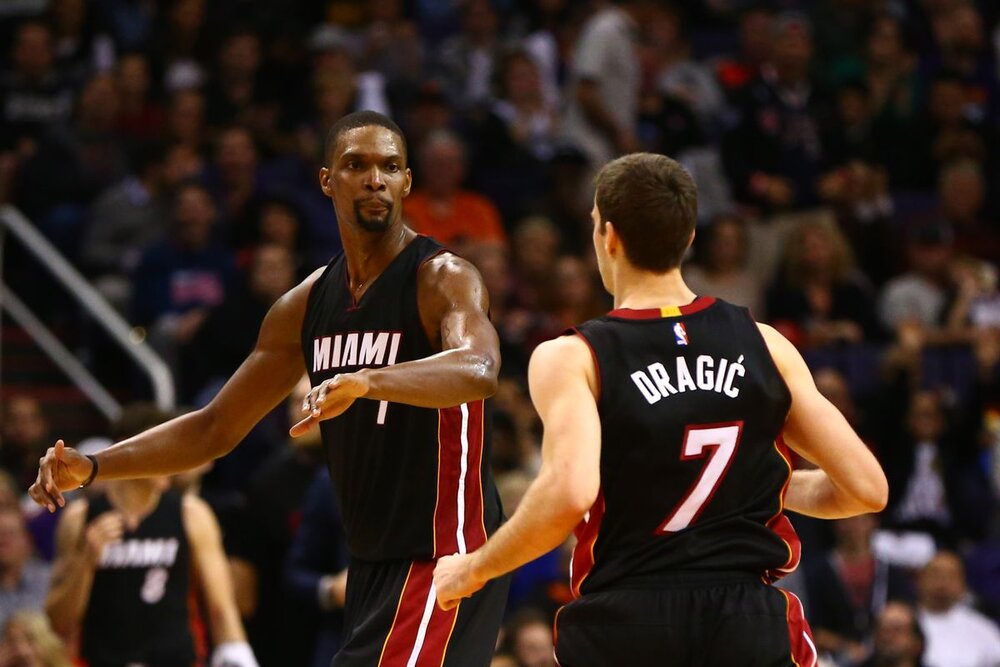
(102, 531)
(330, 399)
(61, 469)
(454, 579)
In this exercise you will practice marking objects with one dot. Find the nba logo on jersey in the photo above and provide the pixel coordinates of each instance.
(681, 334)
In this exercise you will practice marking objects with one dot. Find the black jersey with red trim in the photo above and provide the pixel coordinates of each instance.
(693, 470)
(412, 483)
(137, 612)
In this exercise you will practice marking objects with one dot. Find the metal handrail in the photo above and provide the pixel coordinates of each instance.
(148, 360)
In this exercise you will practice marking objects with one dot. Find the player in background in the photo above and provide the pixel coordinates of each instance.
(122, 568)
(667, 425)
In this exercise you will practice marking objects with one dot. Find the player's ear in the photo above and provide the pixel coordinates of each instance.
(409, 182)
(324, 181)
(611, 238)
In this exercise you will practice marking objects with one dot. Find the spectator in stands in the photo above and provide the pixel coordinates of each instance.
(849, 588)
(280, 222)
(35, 94)
(513, 137)
(920, 297)
(140, 117)
(28, 641)
(962, 192)
(963, 49)
(466, 61)
(316, 569)
(181, 45)
(124, 221)
(236, 181)
(573, 294)
(820, 298)
(230, 328)
(235, 86)
(25, 437)
(24, 580)
(720, 266)
(602, 95)
(755, 29)
(391, 46)
(185, 123)
(946, 132)
(75, 163)
(774, 154)
(441, 208)
(957, 635)
(124, 559)
(898, 640)
(529, 639)
(929, 472)
(181, 277)
(281, 630)
(676, 72)
(78, 38)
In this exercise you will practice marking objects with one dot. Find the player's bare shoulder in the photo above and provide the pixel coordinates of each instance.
(450, 277)
(559, 359)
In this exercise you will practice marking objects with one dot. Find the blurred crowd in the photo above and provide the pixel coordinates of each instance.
(846, 155)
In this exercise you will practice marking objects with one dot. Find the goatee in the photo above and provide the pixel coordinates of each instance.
(379, 224)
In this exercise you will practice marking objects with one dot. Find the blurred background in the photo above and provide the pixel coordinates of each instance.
(158, 176)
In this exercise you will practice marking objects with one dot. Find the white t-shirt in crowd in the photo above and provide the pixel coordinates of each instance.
(960, 637)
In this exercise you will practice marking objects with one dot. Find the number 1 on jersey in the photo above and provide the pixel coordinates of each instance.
(721, 441)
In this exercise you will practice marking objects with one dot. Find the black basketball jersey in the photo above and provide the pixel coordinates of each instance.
(138, 608)
(413, 483)
(693, 470)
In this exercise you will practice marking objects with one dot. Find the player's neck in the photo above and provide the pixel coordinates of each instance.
(134, 501)
(642, 289)
(369, 254)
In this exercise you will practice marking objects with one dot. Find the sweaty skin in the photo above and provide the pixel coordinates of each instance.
(367, 179)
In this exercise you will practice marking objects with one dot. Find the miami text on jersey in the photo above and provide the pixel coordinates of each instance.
(656, 382)
(356, 349)
(140, 553)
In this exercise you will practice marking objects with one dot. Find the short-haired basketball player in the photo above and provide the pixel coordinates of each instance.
(668, 424)
(395, 336)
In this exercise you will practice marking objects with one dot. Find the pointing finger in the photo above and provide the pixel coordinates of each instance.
(302, 427)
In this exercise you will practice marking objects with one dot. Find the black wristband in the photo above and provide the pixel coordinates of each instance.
(93, 471)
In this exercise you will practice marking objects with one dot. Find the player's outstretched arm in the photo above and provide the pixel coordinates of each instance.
(849, 480)
(264, 379)
(563, 386)
(454, 308)
(205, 538)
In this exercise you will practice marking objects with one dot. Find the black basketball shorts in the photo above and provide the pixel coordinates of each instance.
(697, 621)
(392, 619)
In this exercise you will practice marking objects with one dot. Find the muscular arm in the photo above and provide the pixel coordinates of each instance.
(454, 309)
(263, 380)
(849, 479)
(72, 572)
(563, 384)
(210, 562)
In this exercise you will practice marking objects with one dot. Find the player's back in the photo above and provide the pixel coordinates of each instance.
(693, 469)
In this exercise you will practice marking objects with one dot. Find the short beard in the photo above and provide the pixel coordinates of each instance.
(373, 225)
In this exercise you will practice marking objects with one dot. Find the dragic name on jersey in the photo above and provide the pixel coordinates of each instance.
(656, 382)
(140, 553)
(356, 349)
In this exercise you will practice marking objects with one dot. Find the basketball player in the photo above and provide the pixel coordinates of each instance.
(121, 575)
(668, 424)
(395, 335)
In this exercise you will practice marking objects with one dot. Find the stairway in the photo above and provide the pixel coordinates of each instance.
(25, 369)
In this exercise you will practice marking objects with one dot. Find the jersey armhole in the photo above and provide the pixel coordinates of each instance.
(770, 357)
(574, 331)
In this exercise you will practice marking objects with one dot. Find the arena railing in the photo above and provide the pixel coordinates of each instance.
(160, 377)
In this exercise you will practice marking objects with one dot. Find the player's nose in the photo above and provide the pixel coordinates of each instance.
(374, 180)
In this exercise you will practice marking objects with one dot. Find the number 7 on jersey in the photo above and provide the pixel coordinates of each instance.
(721, 442)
